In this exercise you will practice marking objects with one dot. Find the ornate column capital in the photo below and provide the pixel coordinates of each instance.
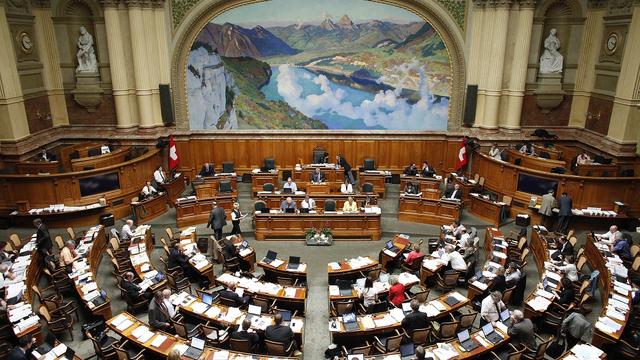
(110, 3)
(528, 4)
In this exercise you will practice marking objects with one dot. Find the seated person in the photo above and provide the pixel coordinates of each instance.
(148, 191)
(288, 203)
(346, 187)
(231, 294)
(308, 203)
(133, 290)
(495, 152)
(568, 268)
(159, 318)
(426, 170)
(396, 291)
(584, 159)
(68, 255)
(290, 185)
(567, 293)
(127, 230)
(350, 206)
(282, 334)
(207, 170)
(454, 259)
(413, 254)
(245, 332)
(317, 176)
(621, 246)
(415, 319)
(513, 274)
(411, 170)
(454, 193)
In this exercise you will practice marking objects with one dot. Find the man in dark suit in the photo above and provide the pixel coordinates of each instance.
(565, 204)
(159, 318)
(521, 331)
(134, 291)
(415, 319)
(43, 239)
(244, 333)
(23, 350)
(217, 220)
(317, 176)
(454, 194)
(280, 333)
(231, 294)
(207, 170)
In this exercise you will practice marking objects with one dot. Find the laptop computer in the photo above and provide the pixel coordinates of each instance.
(350, 322)
(390, 246)
(195, 350)
(490, 334)
(294, 263)
(304, 210)
(505, 317)
(407, 351)
(465, 341)
(271, 255)
(345, 287)
(207, 299)
(287, 191)
(253, 311)
(289, 210)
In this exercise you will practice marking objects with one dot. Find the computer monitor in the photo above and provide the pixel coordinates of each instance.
(269, 164)
(207, 299)
(369, 164)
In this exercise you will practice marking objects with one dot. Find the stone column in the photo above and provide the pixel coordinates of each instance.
(149, 19)
(13, 117)
(45, 39)
(519, 65)
(625, 116)
(141, 63)
(485, 53)
(586, 71)
(119, 83)
(495, 63)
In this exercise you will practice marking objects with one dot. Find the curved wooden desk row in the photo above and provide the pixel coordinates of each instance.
(197, 211)
(161, 343)
(91, 248)
(40, 191)
(585, 191)
(613, 293)
(273, 200)
(428, 211)
(292, 226)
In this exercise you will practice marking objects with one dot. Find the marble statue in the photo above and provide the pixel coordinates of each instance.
(87, 62)
(551, 60)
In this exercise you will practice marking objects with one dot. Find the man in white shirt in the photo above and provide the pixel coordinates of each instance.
(166, 294)
(159, 175)
(308, 203)
(491, 308)
(290, 185)
(127, 230)
(149, 190)
(454, 258)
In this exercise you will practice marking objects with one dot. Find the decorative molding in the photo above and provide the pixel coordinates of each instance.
(457, 9)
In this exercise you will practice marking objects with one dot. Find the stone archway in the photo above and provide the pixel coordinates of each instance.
(430, 11)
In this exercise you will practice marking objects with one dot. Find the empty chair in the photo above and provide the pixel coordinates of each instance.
(330, 205)
(268, 187)
(228, 167)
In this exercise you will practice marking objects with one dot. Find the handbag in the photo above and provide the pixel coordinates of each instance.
(556, 347)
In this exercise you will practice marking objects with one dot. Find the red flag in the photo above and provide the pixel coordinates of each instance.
(173, 155)
(461, 161)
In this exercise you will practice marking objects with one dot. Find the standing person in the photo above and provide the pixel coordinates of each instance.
(217, 220)
(346, 167)
(565, 204)
(43, 239)
(547, 204)
(236, 215)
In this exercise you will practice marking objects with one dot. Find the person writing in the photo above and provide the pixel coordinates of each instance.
(68, 255)
(288, 203)
(346, 187)
(350, 206)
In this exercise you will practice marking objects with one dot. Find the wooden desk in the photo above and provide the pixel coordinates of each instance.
(376, 179)
(37, 167)
(353, 225)
(428, 211)
(287, 297)
(534, 162)
(488, 210)
(273, 200)
(611, 170)
(115, 157)
(207, 187)
(76, 218)
(95, 241)
(259, 179)
(350, 269)
(194, 212)
(174, 188)
(385, 257)
(149, 208)
(272, 273)
(423, 182)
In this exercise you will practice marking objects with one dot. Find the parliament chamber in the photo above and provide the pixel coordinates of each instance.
(301, 179)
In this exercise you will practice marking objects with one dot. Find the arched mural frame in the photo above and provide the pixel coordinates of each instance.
(430, 11)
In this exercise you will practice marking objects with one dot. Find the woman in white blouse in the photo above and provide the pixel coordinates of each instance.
(346, 187)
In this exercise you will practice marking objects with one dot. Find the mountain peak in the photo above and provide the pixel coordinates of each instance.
(346, 23)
